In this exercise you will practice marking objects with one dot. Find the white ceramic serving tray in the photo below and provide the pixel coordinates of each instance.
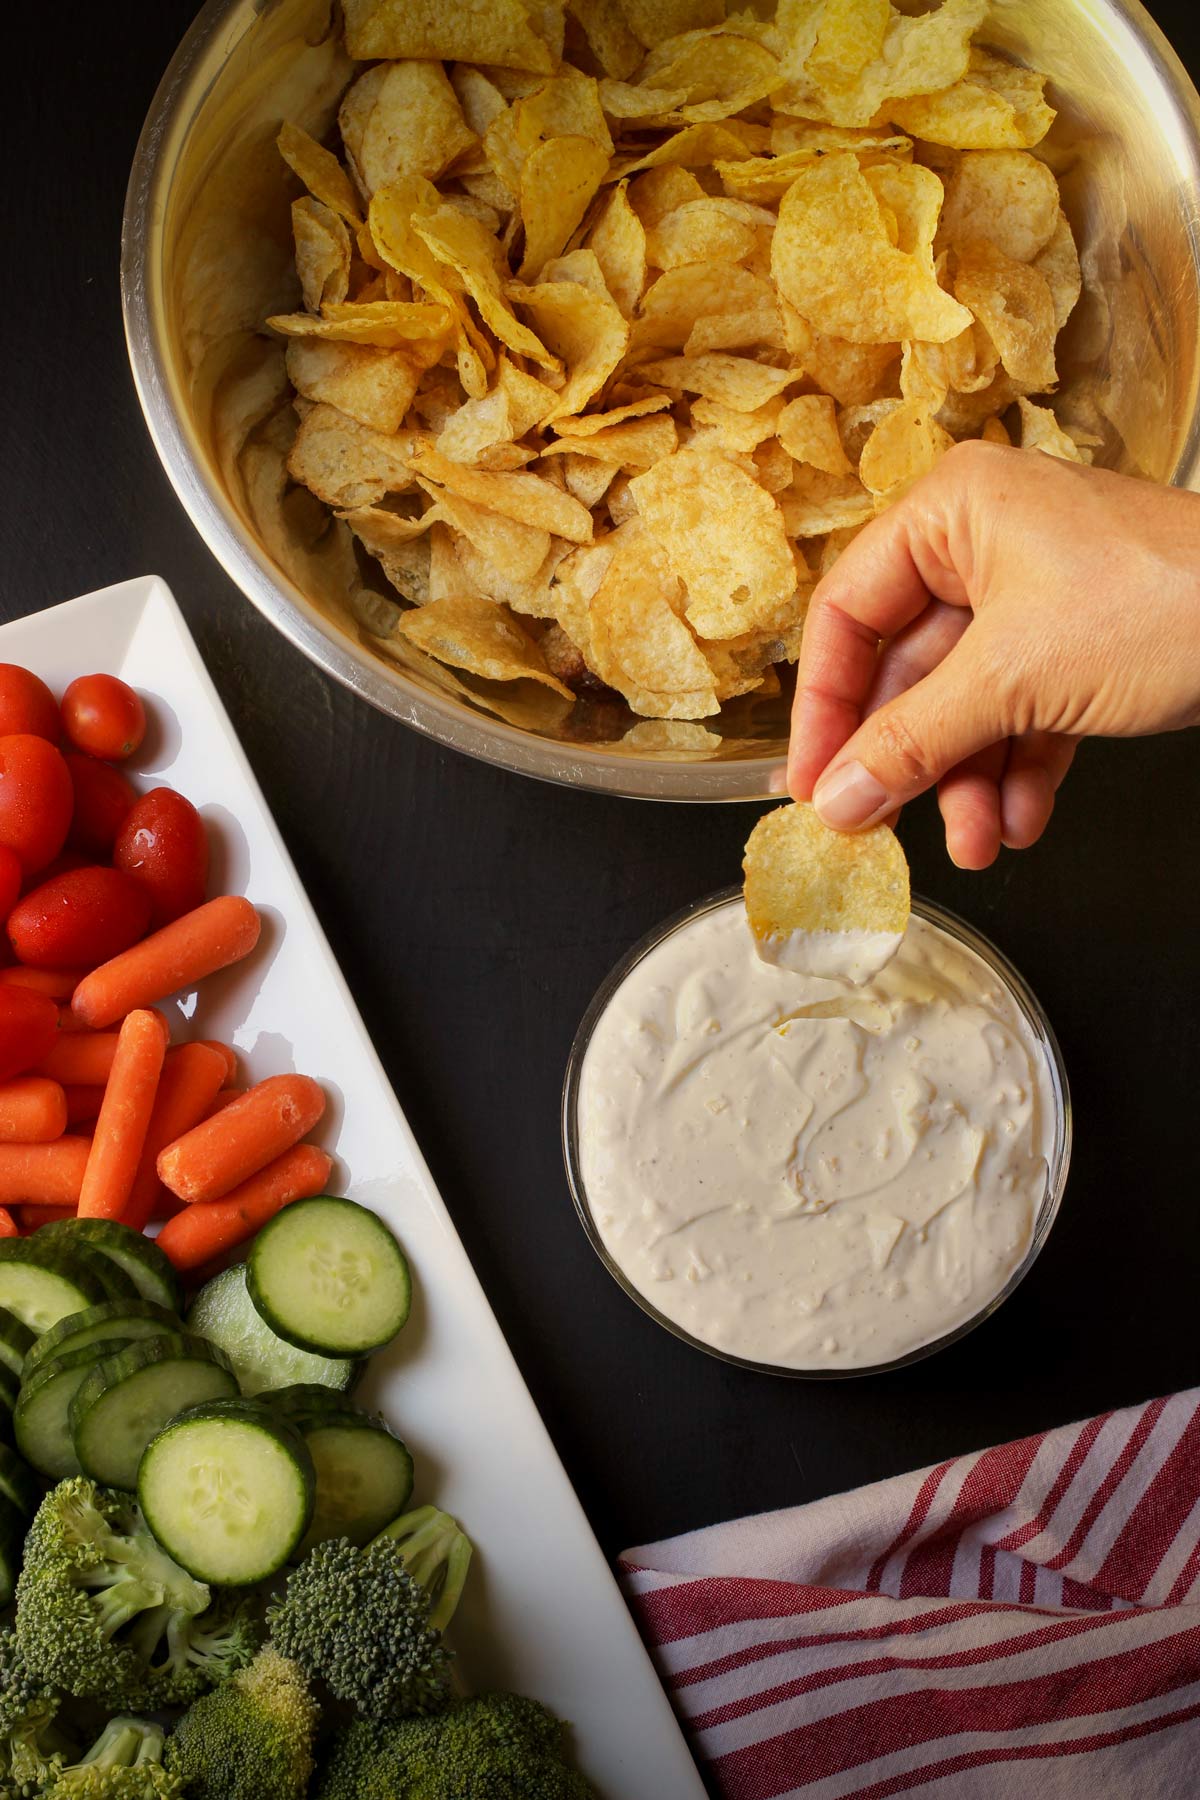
(542, 1613)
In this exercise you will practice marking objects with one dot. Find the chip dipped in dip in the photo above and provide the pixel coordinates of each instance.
(806, 1174)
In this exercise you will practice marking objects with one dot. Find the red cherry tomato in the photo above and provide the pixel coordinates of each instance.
(27, 705)
(28, 1027)
(10, 879)
(103, 717)
(163, 845)
(102, 798)
(79, 919)
(36, 799)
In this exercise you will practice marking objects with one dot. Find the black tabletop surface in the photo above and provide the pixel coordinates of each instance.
(474, 913)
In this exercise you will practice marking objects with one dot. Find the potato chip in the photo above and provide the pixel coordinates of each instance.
(651, 21)
(996, 106)
(824, 901)
(637, 444)
(321, 173)
(817, 502)
(609, 37)
(587, 479)
(379, 530)
(1040, 430)
(584, 329)
(720, 73)
(1006, 197)
(528, 498)
(856, 423)
(476, 634)
(401, 118)
(1014, 305)
(701, 231)
(962, 415)
(994, 432)
(732, 578)
(480, 99)
(656, 192)
(965, 363)
(626, 100)
(920, 54)
(807, 429)
(903, 447)
(479, 31)
(774, 466)
(852, 373)
(585, 423)
(736, 381)
(1058, 263)
(446, 578)
(386, 324)
(672, 306)
(568, 105)
(833, 262)
(517, 550)
(698, 145)
(376, 387)
(639, 644)
(322, 252)
(671, 740)
(741, 432)
(474, 254)
(558, 180)
(756, 327)
(530, 595)
(818, 139)
(618, 240)
(850, 35)
(346, 464)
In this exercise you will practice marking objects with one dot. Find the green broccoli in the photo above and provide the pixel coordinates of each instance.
(125, 1763)
(103, 1612)
(494, 1747)
(251, 1739)
(369, 1622)
(30, 1746)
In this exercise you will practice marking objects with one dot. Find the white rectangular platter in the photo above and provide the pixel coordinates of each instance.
(542, 1613)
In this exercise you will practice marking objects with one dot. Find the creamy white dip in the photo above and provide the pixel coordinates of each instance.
(837, 955)
(808, 1173)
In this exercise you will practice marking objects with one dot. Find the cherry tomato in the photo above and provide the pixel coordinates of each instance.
(36, 799)
(28, 1027)
(102, 799)
(103, 717)
(10, 879)
(163, 844)
(79, 919)
(27, 705)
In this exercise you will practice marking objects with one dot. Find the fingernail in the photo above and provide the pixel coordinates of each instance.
(849, 797)
(777, 781)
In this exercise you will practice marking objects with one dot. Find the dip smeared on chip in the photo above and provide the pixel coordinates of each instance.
(824, 902)
(617, 320)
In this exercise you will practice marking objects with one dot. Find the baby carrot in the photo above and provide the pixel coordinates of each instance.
(33, 1110)
(31, 1217)
(191, 1076)
(80, 1058)
(228, 1052)
(59, 984)
(242, 1138)
(124, 1115)
(83, 1101)
(220, 932)
(8, 1225)
(199, 1233)
(225, 1098)
(47, 1174)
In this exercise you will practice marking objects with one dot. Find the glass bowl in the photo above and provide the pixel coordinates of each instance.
(207, 255)
(1058, 1156)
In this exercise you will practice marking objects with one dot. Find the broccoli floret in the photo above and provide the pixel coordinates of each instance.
(494, 1747)
(251, 1739)
(125, 1763)
(30, 1745)
(103, 1611)
(369, 1622)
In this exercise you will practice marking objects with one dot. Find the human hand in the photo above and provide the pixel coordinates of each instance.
(1026, 602)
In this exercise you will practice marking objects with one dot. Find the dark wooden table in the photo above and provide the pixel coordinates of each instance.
(474, 913)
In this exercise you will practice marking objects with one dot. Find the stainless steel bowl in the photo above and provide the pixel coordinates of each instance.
(1058, 1159)
(207, 255)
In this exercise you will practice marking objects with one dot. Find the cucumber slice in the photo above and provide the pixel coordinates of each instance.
(126, 1398)
(228, 1491)
(116, 1283)
(43, 1281)
(12, 1542)
(18, 1483)
(222, 1312)
(16, 1340)
(138, 1257)
(328, 1275)
(364, 1475)
(115, 1318)
(306, 1398)
(41, 1417)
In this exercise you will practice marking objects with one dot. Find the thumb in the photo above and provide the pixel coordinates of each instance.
(909, 744)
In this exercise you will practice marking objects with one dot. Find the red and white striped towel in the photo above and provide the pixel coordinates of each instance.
(1020, 1622)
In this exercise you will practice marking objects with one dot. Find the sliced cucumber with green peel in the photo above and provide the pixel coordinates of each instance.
(307, 1398)
(12, 1542)
(116, 1283)
(18, 1482)
(138, 1257)
(364, 1475)
(127, 1397)
(223, 1313)
(16, 1341)
(41, 1417)
(42, 1281)
(328, 1275)
(115, 1318)
(227, 1490)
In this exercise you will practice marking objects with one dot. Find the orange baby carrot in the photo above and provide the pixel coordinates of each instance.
(47, 1174)
(220, 932)
(33, 1110)
(59, 984)
(83, 1102)
(191, 1076)
(80, 1058)
(31, 1217)
(242, 1138)
(68, 1022)
(124, 1115)
(225, 1098)
(8, 1225)
(199, 1233)
(228, 1052)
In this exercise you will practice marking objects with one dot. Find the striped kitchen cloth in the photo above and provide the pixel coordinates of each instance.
(1024, 1621)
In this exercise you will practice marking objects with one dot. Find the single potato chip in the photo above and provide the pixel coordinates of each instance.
(503, 32)
(741, 432)
(1006, 197)
(517, 550)
(817, 502)
(722, 535)
(1040, 430)
(807, 429)
(657, 192)
(321, 173)
(585, 423)
(639, 644)
(585, 331)
(651, 21)
(736, 381)
(1013, 303)
(588, 479)
(849, 36)
(478, 635)
(609, 37)
(376, 387)
(698, 145)
(528, 498)
(920, 54)
(558, 179)
(996, 106)
(852, 373)
(568, 105)
(618, 239)
(400, 119)
(637, 444)
(825, 902)
(903, 447)
(703, 231)
(673, 305)
(347, 464)
(386, 324)
(323, 252)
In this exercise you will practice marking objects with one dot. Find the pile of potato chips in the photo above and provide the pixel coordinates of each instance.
(620, 320)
